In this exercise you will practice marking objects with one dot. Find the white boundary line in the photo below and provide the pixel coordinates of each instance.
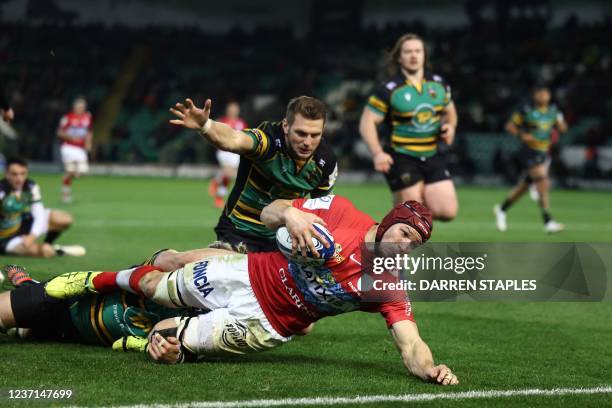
(381, 398)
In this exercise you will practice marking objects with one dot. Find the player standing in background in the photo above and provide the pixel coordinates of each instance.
(75, 132)
(228, 161)
(23, 217)
(534, 124)
(418, 106)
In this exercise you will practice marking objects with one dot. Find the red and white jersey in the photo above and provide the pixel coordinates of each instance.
(292, 296)
(234, 123)
(77, 126)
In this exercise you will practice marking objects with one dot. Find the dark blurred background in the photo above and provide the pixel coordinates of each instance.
(132, 59)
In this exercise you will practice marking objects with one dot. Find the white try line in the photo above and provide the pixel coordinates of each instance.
(555, 392)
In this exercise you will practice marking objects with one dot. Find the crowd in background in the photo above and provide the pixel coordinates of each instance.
(490, 65)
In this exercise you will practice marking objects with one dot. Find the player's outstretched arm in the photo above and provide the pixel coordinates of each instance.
(298, 223)
(417, 356)
(218, 134)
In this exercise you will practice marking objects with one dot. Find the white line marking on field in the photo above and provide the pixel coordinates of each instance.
(380, 398)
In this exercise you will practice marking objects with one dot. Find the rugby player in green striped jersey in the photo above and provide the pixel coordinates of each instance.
(534, 124)
(420, 110)
(287, 159)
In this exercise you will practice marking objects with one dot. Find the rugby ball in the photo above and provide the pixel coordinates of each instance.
(283, 242)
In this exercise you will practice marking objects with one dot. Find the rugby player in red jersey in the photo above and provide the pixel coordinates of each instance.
(258, 301)
(75, 132)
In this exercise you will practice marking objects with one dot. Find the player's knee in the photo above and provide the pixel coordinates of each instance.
(167, 260)
(446, 213)
(148, 284)
(47, 251)
(67, 220)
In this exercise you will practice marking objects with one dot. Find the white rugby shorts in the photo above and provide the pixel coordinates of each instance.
(228, 159)
(74, 159)
(235, 324)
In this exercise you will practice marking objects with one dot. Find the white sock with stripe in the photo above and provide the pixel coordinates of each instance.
(123, 279)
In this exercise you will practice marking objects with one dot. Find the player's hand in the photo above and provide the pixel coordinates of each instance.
(447, 133)
(442, 375)
(527, 137)
(299, 224)
(189, 115)
(164, 350)
(382, 162)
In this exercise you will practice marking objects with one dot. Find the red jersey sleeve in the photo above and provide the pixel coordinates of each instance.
(394, 312)
(333, 209)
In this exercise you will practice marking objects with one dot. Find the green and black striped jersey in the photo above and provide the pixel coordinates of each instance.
(102, 319)
(414, 111)
(14, 206)
(540, 122)
(269, 172)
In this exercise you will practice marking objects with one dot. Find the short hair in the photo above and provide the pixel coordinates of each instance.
(15, 160)
(392, 66)
(307, 106)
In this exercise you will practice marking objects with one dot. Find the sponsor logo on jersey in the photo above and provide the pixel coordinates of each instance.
(200, 280)
(320, 289)
(353, 258)
(320, 203)
(292, 293)
(432, 93)
(234, 334)
(408, 97)
(423, 118)
(337, 257)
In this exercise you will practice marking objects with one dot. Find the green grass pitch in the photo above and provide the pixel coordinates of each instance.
(492, 346)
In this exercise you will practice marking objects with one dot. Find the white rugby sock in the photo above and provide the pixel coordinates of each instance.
(123, 279)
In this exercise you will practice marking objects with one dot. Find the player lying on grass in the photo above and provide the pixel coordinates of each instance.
(258, 301)
(23, 217)
(91, 319)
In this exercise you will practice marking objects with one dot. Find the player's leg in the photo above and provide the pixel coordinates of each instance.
(218, 332)
(7, 319)
(72, 157)
(441, 199)
(228, 168)
(515, 194)
(169, 260)
(20, 246)
(59, 221)
(439, 193)
(143, 280)
(414, 192)
(69, 175)
(405, 178)
(28, 307)
(539, 175)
